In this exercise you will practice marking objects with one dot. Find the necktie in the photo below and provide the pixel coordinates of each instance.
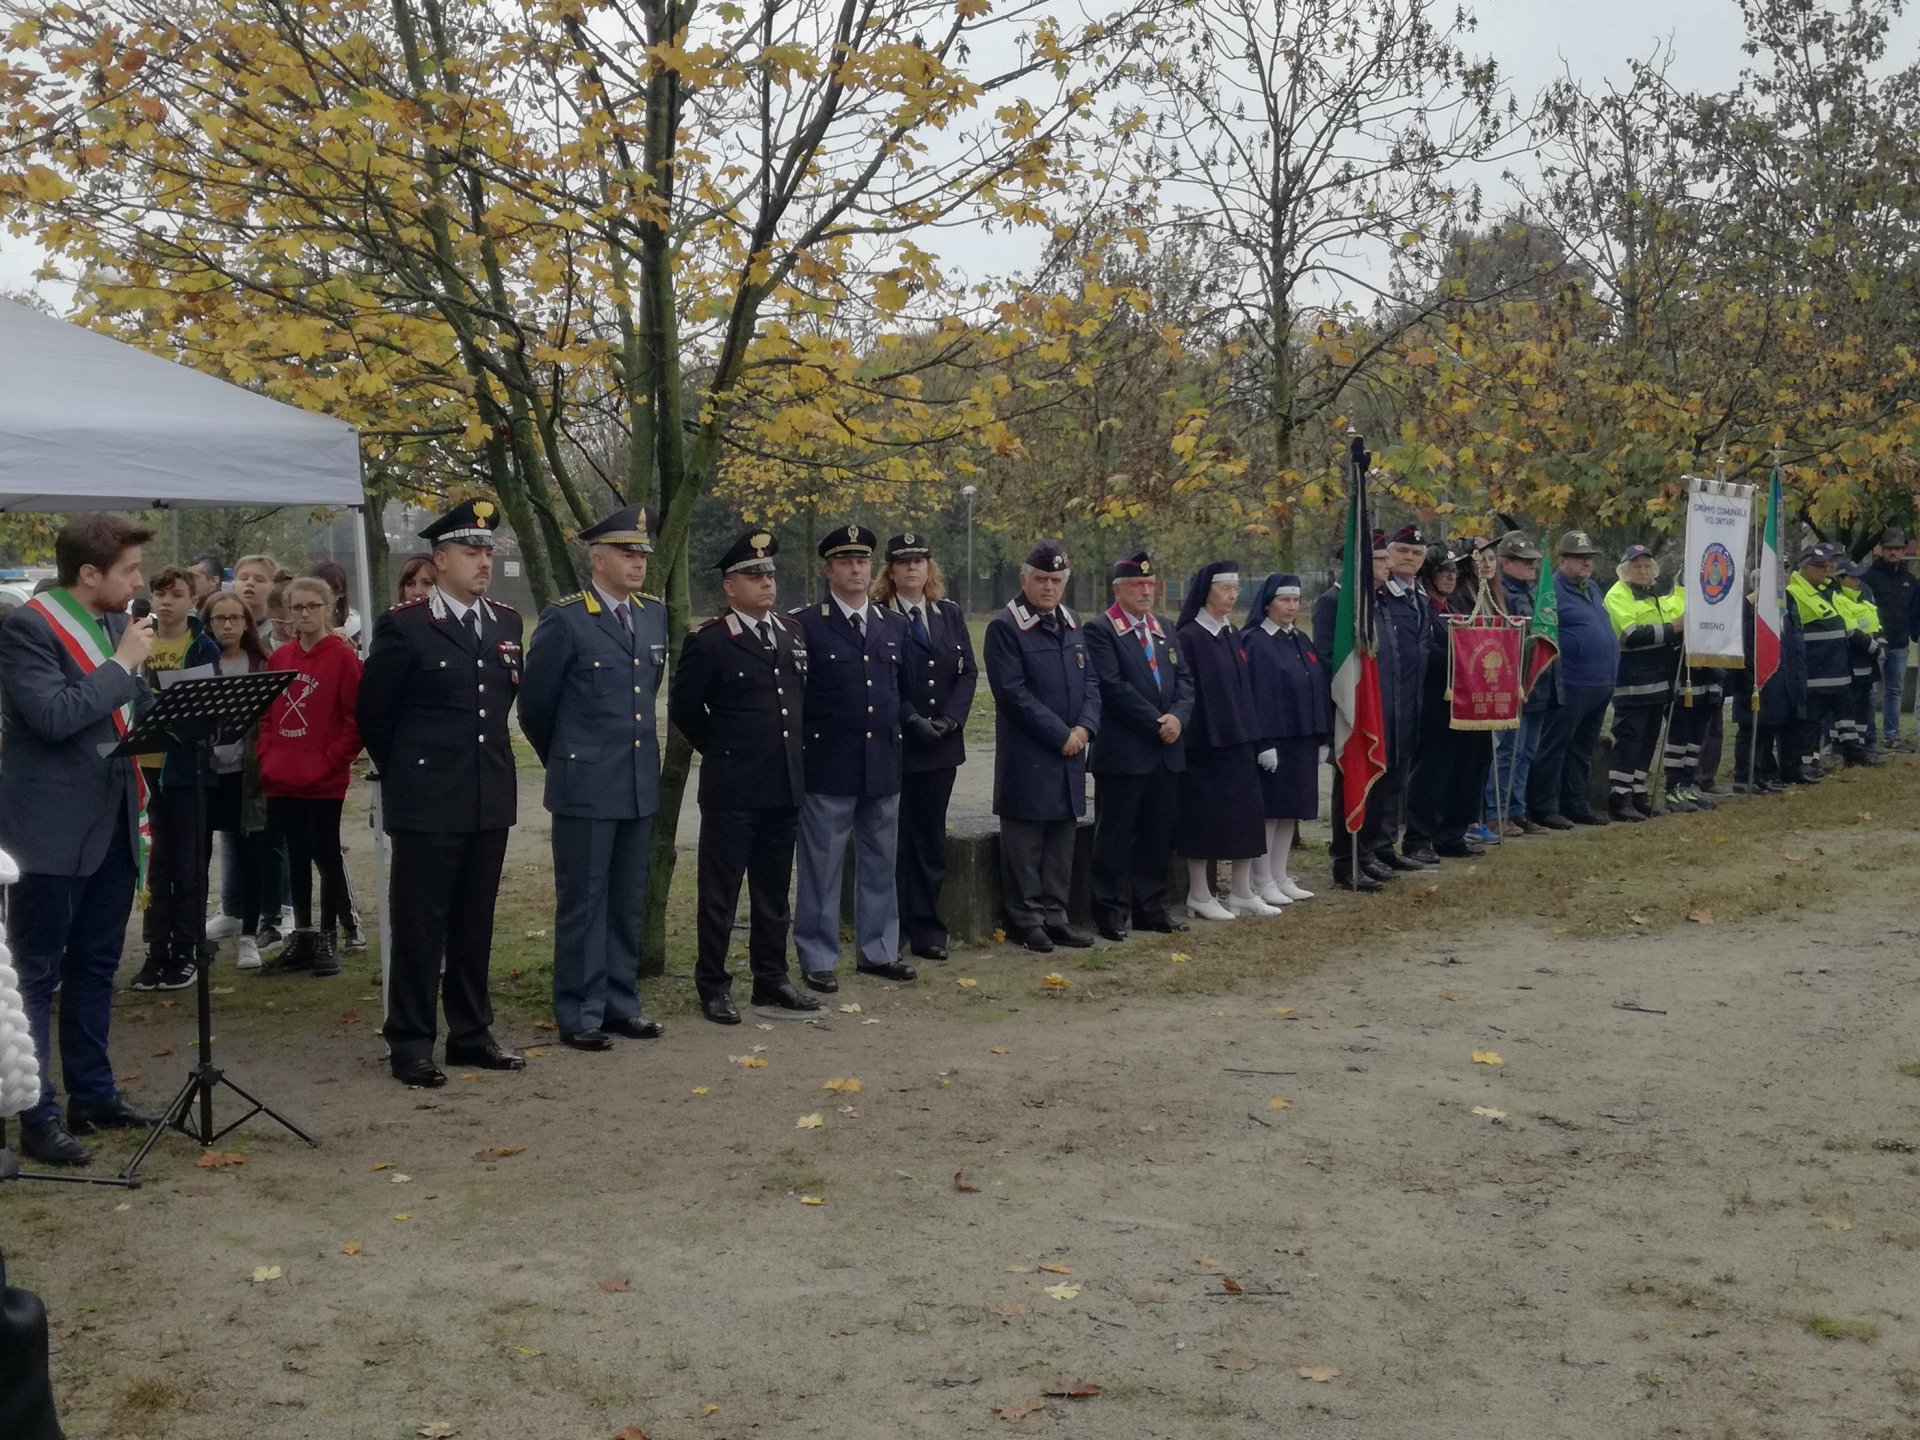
(626, 619)
(1050, 621)
(920, 627)
(1146, 643)
(472, 622)
(859, 624)
(765, 631)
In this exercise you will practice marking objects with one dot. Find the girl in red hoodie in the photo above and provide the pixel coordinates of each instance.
(308, 742)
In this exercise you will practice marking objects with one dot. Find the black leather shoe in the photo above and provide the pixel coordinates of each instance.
(1424, 854)
(119, 1113)
(1589, 819)
(587, 1040)
(1035, 940)
(892, 970)
(1365, 883)
(634, 1027)
(822, 980)
(488, 1057)
(1378, 870)
(719, 1009)
(1068, 936)
(1626, 815)
(1459, 850)
(930, 952)
(1553, 822)
(1111, 932)
(1406, 864)
(1160, 925)
(784, 997)
(50, 1143)
(423, 1073)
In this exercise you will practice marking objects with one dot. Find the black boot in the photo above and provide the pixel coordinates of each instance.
(296, 954)
(326, 955)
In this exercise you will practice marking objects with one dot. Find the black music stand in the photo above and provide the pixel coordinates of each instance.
(193, 716)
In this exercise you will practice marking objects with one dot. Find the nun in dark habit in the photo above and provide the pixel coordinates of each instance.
(1217, 810)
(1293, 715)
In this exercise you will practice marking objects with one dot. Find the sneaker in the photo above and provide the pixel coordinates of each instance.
(1479, 834)
(151, 974)
(223, 927)
(286, 919)
(269, 936)
(1697, 799)
(353, 934)
(1678, 804)
(179, 976)
(247, 953)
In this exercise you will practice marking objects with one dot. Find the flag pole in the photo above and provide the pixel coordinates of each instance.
(1357, 503)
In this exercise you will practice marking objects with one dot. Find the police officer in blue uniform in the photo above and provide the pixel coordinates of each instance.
(936, 694)
(594, 666)
(852, 749)
(441, 675)
(737, 696)
(1047, 710)
(1146, 703)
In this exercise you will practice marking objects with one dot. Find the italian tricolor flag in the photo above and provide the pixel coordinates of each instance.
(85, 640)
(1359, 727)
(1767, 603)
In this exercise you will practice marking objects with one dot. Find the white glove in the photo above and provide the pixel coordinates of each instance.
(1269, 760)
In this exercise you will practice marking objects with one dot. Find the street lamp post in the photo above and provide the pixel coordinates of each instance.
(969, 491)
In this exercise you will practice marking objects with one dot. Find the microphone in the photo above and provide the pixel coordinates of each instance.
(142, 608)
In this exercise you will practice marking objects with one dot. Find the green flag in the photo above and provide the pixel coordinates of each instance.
(1543, 635)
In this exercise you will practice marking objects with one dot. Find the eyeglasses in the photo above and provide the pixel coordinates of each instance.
(309, 607)
(228, 620)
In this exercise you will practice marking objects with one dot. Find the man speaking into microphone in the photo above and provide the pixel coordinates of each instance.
(70, 815)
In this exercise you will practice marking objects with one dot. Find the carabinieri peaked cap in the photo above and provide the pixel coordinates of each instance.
(850, 541)
(471, 522)
(751, 554)
(1047, 556)
(1135, 565)
(632, 526)
(910, 546)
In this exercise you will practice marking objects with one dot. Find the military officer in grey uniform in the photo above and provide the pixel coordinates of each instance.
(594, 666)
(737, 696)
(855, 650)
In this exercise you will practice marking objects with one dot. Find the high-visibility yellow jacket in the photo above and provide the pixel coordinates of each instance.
(1862, 615)
(1649, 629)
(1824, 630)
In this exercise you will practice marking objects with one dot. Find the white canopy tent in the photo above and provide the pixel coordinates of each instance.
(87, 423)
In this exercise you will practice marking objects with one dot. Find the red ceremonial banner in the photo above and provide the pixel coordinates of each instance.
(1484, 677)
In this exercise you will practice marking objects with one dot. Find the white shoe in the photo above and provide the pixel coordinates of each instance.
(1272, 894)
(1291, 888)
(247, 954)
(287, 927)
(1208, 909)
(223, 927)
(1250, 905)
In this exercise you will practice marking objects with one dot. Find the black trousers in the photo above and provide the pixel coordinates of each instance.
(1387, 801)
(1636, 731)
(1558, 784)
(254, 852)
(441, 900)
(311, 829)
(1466, 784)
(1376, 828)
(1132, 840)
(174, 894)
(1823, 709)
(920, 869)
(1777, 758)
(755, 846)
(1434, 763)
(1036, 871)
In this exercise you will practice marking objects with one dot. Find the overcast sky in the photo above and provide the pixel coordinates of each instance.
(1534, 41)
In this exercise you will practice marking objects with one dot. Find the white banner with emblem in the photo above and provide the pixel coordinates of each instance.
(1719, 519)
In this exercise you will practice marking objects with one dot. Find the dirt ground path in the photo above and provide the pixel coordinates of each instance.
(1693, 1218)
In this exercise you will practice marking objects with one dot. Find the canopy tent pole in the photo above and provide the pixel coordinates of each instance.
(363, 574)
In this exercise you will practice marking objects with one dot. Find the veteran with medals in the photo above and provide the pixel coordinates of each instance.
(737, 696)
(440, 679)
(594, 667)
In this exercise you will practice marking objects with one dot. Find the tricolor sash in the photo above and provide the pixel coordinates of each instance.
(84, 638)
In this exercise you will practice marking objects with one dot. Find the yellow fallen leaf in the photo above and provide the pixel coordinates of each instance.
(352, 1247)
(700, 1090)
(1001, 1050)
(850, 1009)
(1487, 1057)
(403, 1215)
(1056, 981)
(966, 984)
(1282, 1011)
(708, 1409)
(1054, 1267)
(1321, 1373)
(384, 1165)
(999, 937)
(813, 1199)
(1180, 957)
(809, 1122)
(1063, 1291)
(748, 1062)
(1279, 1102)
(1489, 1112)
(844, 1087)
(401, 1179)
(523, 1350)
(437, 1430)
(264, 1273)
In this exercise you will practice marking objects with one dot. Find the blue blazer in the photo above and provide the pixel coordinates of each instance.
(851, 713)
(1042, 687)
(587, 696)
(938, 681)
(59, 798)
(1132, 701)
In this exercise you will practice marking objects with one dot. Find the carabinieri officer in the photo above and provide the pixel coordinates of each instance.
(440, 678)
(852, 747)
(737, 697)
(594, 666)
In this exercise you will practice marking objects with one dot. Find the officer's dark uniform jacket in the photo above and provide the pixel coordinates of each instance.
(1043, 685)
(937, 681)
(1405, 626)
(1648, 626)
(1823, 630)
(587, 706)
(740, 705)
(852, 705)
(434, 717)
(1132, 700)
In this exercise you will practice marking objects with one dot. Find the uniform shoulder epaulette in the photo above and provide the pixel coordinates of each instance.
(708, 624)
(501, 605)
(573, 599)
(413, 604)
(650, 599)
